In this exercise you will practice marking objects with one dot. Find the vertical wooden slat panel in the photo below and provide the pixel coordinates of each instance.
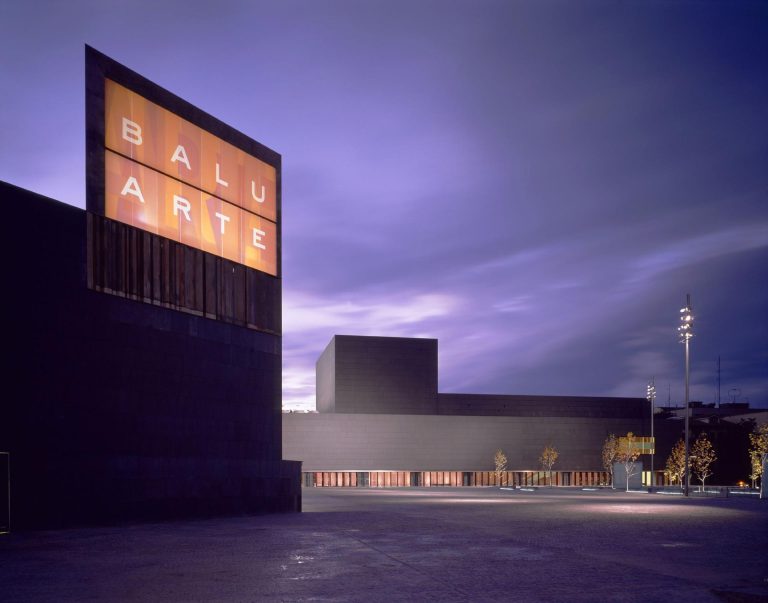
(165, 272)
(211, 286)
(226, 290)
(175, 274)
(140, 265)
(199, 281)
(239, 308)
(146, 266)
(157, 281)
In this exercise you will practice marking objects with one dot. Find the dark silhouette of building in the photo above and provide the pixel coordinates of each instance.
(144, 373)
(121, 409)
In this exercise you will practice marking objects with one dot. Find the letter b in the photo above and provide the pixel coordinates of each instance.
(132, 131)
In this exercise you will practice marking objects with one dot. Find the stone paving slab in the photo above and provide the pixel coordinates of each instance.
(414, 544)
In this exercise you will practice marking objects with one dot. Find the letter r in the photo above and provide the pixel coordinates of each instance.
(180, 204)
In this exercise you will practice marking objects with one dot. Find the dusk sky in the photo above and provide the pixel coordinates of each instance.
(537, 184)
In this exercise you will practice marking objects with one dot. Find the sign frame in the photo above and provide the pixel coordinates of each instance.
(99, 68)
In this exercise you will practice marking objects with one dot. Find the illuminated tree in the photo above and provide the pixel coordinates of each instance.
(702, 457)
(500, 464)
(547, 459)
(627, 453)
(675, 469)
(758, 451)
(756, 467)
(610, 448)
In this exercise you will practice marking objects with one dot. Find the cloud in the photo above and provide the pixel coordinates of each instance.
(695, 250)
(298, 386)
(305, 312)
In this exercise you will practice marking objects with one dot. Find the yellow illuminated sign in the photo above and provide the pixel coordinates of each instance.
(171, 177)
(641, 445)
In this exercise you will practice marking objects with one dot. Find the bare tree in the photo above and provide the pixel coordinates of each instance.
(758, 450)
(702, 457)
(756, 467)
(627, 453)
(675, 469)
(547, 459)
(610, 448)
(500, 465)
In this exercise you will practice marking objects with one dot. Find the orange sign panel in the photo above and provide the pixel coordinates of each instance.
(171, 177)
(147, 199)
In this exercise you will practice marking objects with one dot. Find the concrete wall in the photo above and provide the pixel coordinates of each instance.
(325, 379)
(544, 406)
(620, 476)
(378, 375)
(329, 442)
(117, 409)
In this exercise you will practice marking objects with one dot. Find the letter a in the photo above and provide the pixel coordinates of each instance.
(253, 193)
(132, 131)
(132, 188)
(180, 155)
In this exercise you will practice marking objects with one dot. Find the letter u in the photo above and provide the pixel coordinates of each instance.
(253, 192)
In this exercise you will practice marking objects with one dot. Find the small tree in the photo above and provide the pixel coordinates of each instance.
(675, 469)
(702, 457)
(547, 459)
(756, 467)
(627, 453)
(500, 464)
(610, 448)
(758, 450)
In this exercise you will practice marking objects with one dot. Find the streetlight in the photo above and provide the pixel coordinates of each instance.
(651, 397)
(686, 333)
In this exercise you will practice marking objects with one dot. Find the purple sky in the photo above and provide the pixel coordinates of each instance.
(537, 184)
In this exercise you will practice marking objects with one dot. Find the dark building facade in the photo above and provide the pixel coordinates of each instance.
(378, 375)
(145, 371)
(367, 431)
(120, 409)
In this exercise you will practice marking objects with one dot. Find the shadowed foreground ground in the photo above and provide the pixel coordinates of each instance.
(412, 544)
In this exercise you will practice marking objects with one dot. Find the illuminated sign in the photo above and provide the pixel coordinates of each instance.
(638, 444)
(168, 176)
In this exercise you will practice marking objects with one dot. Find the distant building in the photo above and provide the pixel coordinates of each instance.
(381, 422)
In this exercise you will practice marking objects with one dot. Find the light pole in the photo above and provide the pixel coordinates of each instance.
(686, 332)
(651, 397)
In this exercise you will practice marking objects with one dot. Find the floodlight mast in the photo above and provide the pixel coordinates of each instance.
(686, 333)
(651, 397)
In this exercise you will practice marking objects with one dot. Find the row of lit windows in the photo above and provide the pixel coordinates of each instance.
(384, 479)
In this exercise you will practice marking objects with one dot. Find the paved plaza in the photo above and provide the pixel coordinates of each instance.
(414, 544)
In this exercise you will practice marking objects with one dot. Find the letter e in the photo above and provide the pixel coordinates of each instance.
(257, 234)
